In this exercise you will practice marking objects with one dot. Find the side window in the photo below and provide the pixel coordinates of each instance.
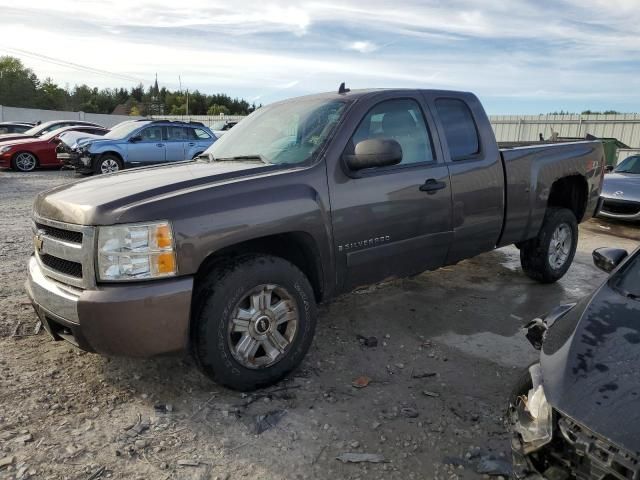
(151, 134)
(201, 134)
(401, 120)
(176, 134)
(459, 128)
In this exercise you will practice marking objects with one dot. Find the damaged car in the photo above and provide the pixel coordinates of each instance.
(576, 413)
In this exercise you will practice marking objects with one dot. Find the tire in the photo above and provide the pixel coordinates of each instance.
(240, 303)
(107, 164)
(559, 231)
(24, 162)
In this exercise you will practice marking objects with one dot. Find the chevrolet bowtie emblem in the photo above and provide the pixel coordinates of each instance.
(37, 243)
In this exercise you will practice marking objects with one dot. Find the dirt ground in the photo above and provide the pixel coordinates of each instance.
(449, 348)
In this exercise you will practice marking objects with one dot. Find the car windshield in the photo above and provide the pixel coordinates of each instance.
(282, 133)
(629, 165)
(123, 129)
(627, 280)
(53, 133)
(38, 129)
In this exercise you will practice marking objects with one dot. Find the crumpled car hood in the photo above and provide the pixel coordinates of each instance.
(590, 362)
(627, 183)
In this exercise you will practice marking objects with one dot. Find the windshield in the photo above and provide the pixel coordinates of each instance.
(283, 133)
(123, 129)
(627, 279)
(37, 130)
(53, 133)
(629, 165)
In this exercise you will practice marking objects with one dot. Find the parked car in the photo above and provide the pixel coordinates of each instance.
(575, 413)
(621, 191)
(301, 201)
(139, 143)
(220, 128)
(14, 127)
(27, 154)
(43, 128)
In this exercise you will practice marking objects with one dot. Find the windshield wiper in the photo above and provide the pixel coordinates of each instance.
(242, 157)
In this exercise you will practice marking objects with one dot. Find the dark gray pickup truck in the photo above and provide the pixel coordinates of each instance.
(303, 200)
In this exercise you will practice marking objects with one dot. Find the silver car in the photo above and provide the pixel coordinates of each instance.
(621, 191)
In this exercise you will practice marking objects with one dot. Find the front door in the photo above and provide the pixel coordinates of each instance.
(392, 221)
(150, 148)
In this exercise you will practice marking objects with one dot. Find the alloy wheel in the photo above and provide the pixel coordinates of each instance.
(560, 246)
(25, 162)
(262, 326)
(109, 166)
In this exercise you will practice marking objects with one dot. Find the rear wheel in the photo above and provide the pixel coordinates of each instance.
(254, 321)
(547, 257)
(107, 164)
(25, 162)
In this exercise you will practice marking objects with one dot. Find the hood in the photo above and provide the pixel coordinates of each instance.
(13, 136)
(627, 183)
(590, 362)
(112, 198)
(22, 141)
(71, 138)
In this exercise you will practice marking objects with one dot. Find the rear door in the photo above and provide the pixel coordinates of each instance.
(385, 222)
(149, 149)
(176, 140)
(476, 171)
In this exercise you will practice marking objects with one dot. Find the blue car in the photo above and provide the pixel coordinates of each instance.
(137, 143)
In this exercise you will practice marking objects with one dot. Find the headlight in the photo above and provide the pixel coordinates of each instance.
(6, 149)
(533, 415)
(136, 251)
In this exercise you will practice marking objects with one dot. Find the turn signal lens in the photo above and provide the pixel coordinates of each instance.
(165, 263)
(163, 236)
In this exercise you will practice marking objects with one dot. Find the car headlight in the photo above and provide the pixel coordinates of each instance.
(6, 149)
(534, 415)
(136, 252)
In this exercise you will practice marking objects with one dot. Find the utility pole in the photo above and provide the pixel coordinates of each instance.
(187, 102)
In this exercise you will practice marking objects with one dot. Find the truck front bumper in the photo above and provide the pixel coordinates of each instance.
(139, 320)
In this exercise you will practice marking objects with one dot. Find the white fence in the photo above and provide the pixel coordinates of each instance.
(208, 120)
(508, 128)
(519, 128)
(14, 114)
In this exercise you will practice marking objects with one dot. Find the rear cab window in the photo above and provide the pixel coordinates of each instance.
(460, 128)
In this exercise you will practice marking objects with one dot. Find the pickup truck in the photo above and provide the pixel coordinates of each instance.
(227, 255)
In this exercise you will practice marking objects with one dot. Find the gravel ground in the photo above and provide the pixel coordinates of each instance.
(449, 347)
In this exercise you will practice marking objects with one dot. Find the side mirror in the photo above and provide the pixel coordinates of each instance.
(135, 138)
(374, 152)
(607, 259)
(608, 168)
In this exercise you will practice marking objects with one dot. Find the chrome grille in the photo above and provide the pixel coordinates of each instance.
(64, 252)
(66, 235)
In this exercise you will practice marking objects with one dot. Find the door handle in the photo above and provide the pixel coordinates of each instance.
(432, 185)
(159, 144)
(191, 144)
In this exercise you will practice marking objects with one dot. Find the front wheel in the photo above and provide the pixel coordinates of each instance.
(547, 257)
(25, 162)
(254, 321)
(107, 164)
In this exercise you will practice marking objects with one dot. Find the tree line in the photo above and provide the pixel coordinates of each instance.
(21, 87)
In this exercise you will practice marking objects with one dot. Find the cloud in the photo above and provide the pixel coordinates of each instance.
(362, 46)
(512, 53)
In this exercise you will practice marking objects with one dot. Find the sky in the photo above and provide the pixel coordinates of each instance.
(518, 56)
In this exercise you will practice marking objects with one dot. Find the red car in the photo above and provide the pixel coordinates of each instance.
(27, 154)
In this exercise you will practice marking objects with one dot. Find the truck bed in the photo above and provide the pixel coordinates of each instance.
(531, 171)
